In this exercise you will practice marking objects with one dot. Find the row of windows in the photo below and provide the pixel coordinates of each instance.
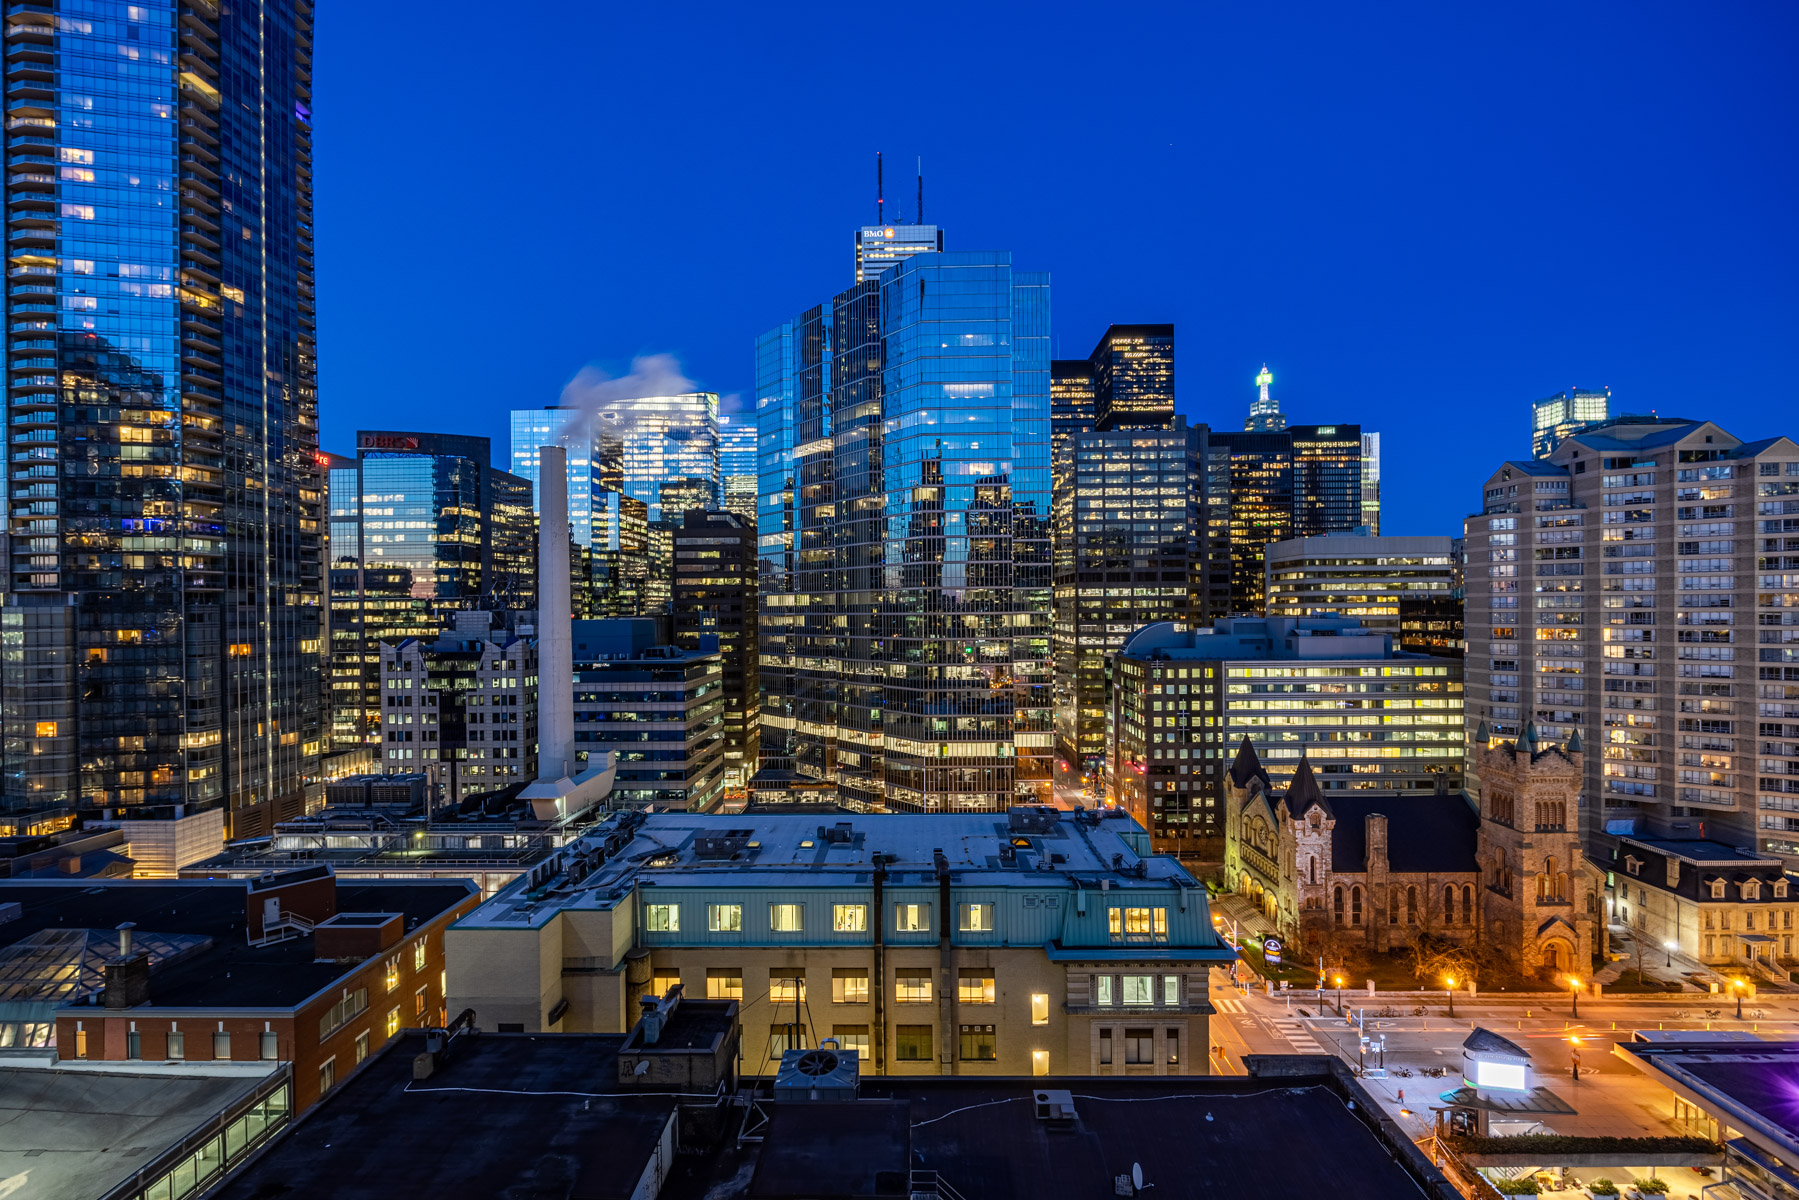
(1132, 924)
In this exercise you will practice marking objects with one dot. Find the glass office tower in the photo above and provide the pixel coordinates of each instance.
(1556, 418)
(1327, 478)
(1133, 378)
(1371, 482)
(737, 462)
(535, 428)
(162, 627)
(421, 526)
(778, 379)
(1265, 415)
(1131, 540)
(917, 639)
(1253, 474)
(879, 247)
(642, 440)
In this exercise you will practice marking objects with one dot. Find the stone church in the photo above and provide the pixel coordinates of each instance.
(1383, 868)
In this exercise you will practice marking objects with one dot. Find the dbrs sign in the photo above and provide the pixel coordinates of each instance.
(387, 441)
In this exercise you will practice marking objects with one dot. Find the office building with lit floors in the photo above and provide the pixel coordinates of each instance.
(715, 599)
(1355, 575)
(1640, 586)
(1039, 942)
(461, 707)
(1131, 550)
(1366, 716)
(422, 528)
(164, 582)
(658, 707)
(915, 625)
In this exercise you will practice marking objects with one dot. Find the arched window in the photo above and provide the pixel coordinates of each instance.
(1449, 904)
(1411, 906)
(1337, 905)
(1393, 907)
(1312, 868)
(1468, 903)
(1355, 906)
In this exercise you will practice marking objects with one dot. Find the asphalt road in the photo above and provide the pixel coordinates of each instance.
(1609, 1095)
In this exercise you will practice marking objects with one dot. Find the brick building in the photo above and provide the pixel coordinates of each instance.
(285, 968)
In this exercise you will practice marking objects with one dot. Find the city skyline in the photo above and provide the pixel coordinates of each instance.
(1383, 255)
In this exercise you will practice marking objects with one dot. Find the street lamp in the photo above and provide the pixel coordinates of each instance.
(1574, 995)
(1339, 982)
(1669, 947)
(1449, 991)
(1736, 985)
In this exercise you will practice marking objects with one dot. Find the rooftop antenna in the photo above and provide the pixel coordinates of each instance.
(921, 189)
(880, 193)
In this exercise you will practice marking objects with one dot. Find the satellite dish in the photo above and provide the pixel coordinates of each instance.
(1137, 1176)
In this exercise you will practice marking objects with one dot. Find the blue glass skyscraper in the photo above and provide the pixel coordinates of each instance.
(162, 628)
(911, 531)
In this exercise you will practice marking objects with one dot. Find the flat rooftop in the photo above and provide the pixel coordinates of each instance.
(196, 932)
(1749, 1086)
(1187, 1134)
(797, 851)
(530, 1116)
(75, 1133)
(507, 1115)
(1699, 850)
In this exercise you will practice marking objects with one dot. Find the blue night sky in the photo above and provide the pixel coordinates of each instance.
(1421, 216)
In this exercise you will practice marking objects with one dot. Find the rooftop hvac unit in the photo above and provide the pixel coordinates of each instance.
(1055, 1104)
(723, 845)
(818, 1075)
(1032, 818)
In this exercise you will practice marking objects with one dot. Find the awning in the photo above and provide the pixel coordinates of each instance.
(1754, 937)
(1623, 827)
(1540, 1100)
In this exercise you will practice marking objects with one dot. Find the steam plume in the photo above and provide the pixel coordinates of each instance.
(592, 390)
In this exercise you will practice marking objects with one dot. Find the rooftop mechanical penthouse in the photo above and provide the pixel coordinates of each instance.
(1029, 942)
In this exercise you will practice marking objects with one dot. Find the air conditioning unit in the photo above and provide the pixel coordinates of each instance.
(1055, 1104)
(818, 1075)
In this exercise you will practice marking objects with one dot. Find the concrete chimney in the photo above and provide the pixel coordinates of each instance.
(125, 929)
(555, 612)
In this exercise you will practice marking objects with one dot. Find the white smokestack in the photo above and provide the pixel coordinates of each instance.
(555, 637)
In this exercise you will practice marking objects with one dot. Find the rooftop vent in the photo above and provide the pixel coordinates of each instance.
(1055, 1104)
(821, 1074)
(840, 834)
(720, 846)
(1032, 818)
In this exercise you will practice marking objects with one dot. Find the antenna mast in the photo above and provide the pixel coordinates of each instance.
(880, 193)
(921, 189)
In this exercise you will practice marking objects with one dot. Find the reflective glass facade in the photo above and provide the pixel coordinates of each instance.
(1555, 418)
(1371, 482)
(737, 468)
(421, 527)
(879, 247)
(165, 520)
(914, 646)
(1130, 551)
(778, 374)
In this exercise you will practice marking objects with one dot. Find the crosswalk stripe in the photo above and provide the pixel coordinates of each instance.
(1228, 1006)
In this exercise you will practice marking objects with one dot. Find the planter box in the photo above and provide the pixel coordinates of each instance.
(1615, 1162)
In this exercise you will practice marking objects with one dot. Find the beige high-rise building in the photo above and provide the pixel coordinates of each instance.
(1351, 575)
(1640, 586)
